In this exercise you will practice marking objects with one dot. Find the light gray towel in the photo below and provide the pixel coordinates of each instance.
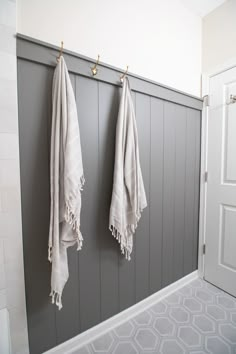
(128, 195)
(66, 180)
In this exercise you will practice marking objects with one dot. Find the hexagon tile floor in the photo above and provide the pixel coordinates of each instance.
(197, 319)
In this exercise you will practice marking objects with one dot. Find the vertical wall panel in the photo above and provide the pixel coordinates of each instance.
(189, 190)
(102, 282)
(109, 248)
(142, 235)
(179, 191)
(34, 115)
(156, 193)
(89, 256)
(168, 190)
(196, 187)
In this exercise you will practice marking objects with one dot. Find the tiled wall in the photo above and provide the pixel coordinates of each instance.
(12, 293)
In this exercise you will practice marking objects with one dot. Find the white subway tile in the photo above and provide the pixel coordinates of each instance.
(12, 250)
(8, 13)
(9, 173)
(1, 211)
(2, 259)
(10, 197)
(10, 227)
(14, 274)
(20, 341)
(2, 277)
(9, 146)
(7, 39)
(8, 93)
(18, 329)
(7, 66)
(15, 297)
(8, 121)
(3, 299)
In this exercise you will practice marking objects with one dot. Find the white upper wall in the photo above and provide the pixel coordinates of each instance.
(158, 39)
(218, 37)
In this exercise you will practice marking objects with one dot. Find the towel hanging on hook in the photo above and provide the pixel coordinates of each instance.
(124, 74)
(61, 51)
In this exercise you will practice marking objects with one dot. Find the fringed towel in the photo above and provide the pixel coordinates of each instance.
(128, 195)
(66, 180)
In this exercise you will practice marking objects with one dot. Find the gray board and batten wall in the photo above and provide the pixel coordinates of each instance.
(102, 283)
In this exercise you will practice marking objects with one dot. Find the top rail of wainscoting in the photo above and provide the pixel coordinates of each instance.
(37, 51)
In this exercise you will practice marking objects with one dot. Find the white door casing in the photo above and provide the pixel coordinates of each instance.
(220, 233)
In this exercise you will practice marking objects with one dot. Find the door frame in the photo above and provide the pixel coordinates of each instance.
(204, 144)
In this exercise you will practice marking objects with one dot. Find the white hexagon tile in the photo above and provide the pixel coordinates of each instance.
(197, 319)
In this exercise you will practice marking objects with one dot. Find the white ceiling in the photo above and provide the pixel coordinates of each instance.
(202, 7)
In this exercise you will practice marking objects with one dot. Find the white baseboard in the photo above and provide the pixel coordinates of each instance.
(91, 334)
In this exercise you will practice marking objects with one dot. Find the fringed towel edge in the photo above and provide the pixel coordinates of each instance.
(56, 298)
(120, 238)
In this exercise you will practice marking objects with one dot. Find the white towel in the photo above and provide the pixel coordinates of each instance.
(66, 180)
(128, 195)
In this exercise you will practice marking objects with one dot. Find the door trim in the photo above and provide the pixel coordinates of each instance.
(204, 144)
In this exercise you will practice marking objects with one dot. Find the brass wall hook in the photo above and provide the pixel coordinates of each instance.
(94, 69)
(125, 73)
(61, 51)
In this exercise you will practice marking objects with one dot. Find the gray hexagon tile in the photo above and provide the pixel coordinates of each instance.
(125, 330)
(204, 324)
(204, 296)
(173, 299)
(216, 345)
(171, 346)
(198, 319)
(233, 318)
(103, 343)
(125, 347)
(216, 312)
(186, 291)
(193, 305)
(179, 314)
(228, 331)
(146, 339)
(143, 318)
(189, 336)
(226, 302)
(159, 309)
(164, 326)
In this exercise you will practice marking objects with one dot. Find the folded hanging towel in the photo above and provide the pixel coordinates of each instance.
(128, 195)
(66, 180)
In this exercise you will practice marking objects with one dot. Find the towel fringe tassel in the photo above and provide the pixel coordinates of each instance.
(117, 235)
(124, 250)
(56, 299)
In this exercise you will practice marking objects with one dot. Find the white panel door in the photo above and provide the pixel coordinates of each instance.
(220, 257)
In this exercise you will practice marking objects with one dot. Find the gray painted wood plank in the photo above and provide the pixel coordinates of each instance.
(156, 193)
(179, 190)
(196, 188)
(109, 248)
(127, 279)
(67, 319)
(142, 235)
(89, 256)
(35, 113)
(168, 190)
(101, 281)
(189, 190)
